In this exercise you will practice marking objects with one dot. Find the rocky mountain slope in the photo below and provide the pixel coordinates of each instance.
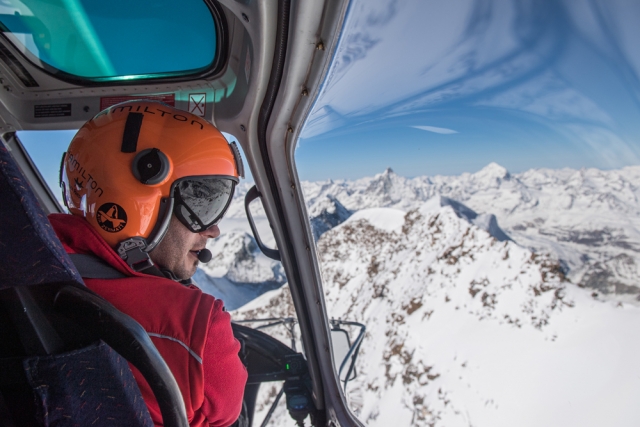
(466, 328)
(238, 271)
(490, 299)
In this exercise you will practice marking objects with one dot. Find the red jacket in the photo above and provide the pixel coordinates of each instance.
(190, 329)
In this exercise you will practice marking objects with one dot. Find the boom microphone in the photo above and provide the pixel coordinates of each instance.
(205, 255)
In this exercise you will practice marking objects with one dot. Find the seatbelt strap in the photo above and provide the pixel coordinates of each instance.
(92, 267)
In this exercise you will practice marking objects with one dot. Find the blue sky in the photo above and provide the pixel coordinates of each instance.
(45, 149)
(448, 86)
(113, 35)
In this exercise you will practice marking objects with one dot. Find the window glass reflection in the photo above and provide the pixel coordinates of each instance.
(112, 40)
(470, 171)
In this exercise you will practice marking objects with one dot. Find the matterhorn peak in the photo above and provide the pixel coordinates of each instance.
(388, 175)
(494, 169)
(493, 173)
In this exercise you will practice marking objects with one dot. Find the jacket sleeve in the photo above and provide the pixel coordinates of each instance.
(224, 374)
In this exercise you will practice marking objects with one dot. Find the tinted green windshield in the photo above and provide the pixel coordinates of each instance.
(113, 40)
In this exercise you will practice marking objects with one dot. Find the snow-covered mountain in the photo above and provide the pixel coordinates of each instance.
(589, 219)
(238, 271)
(489, 298)
(466, 328)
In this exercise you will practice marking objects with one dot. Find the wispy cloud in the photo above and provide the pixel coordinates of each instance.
(434, 129)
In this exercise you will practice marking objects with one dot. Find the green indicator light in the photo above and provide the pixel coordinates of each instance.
(287, 366)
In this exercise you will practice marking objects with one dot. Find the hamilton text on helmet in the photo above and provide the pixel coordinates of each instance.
(74, 165)
(153, 110)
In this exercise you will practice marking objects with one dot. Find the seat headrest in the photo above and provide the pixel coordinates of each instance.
(30, 252)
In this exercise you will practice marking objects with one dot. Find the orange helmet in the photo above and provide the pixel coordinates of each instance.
(133, 164)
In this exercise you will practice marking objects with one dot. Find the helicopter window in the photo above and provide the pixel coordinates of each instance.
(113, 41)
(45, 149)
(471, 178)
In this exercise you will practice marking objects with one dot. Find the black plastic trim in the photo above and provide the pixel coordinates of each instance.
(251, 195)
(275, 79)
(16, 66)
(131, 132)
(238, 158)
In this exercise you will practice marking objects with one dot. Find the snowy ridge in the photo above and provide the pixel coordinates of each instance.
(465, 329)
(238, 271)
(589, 219)
(435, 251)
(467, 285)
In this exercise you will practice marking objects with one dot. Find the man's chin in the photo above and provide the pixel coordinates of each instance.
(186, 272)
(191, 271)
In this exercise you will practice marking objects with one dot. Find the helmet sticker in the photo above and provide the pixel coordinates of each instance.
(111, 217)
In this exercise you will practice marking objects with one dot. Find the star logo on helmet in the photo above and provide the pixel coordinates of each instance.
(111, 217)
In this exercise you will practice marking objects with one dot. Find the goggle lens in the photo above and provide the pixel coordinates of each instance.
(202, 202)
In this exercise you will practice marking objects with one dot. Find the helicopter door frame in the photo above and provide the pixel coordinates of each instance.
(316, 29)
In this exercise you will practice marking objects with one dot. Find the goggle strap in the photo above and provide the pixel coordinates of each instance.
(162, 223)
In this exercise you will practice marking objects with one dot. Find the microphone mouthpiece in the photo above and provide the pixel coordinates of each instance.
(205, 255)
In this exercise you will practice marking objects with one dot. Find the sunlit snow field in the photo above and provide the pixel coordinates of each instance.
(470, 323)
(456, 340)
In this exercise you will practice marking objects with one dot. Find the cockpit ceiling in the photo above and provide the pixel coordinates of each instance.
(61, 62)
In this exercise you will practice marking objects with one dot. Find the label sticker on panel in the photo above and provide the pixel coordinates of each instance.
(51, 110)
(197, 103)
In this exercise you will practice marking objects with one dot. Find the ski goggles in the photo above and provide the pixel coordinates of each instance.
(201, 202)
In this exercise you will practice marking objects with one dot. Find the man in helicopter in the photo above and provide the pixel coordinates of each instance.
(146, 185)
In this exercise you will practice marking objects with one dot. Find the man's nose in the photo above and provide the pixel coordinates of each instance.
(211, 232)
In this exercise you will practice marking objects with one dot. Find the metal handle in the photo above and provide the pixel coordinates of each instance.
(253, 194)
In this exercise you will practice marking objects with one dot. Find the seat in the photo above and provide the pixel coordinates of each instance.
(63, 348)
